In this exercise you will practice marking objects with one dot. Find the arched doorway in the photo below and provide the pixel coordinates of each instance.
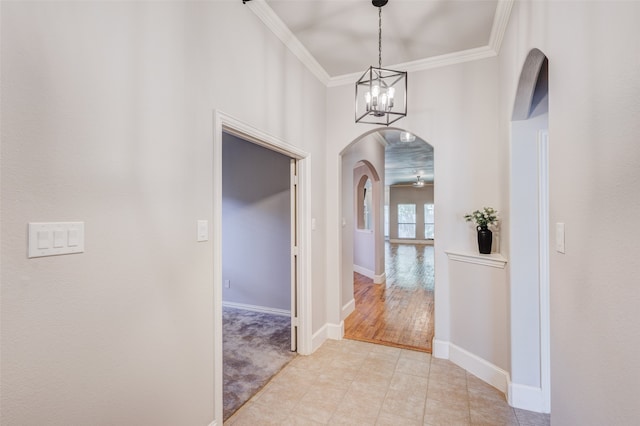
(529, 234)
(399, 158)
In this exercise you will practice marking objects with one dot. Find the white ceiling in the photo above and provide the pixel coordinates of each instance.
(342, 35)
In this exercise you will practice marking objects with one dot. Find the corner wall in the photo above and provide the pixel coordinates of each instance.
(107, 118)
(594, 104)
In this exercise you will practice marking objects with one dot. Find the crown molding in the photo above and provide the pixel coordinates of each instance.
(275, 24)
(424, 64)
(500, 22)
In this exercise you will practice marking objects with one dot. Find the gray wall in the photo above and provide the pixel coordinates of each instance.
(408, 195)
(256, 232)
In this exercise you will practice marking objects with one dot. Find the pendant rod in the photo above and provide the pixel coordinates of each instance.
(380, 37)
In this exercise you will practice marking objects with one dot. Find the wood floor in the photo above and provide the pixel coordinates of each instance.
(398, 312)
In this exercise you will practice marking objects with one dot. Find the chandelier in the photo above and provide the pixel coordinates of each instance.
(381, 94)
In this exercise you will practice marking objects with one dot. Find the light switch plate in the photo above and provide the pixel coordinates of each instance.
(203, 230)
(53, 238)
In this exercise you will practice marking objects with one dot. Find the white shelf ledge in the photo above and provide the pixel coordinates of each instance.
(493, 260)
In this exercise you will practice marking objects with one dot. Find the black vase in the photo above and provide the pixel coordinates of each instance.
(485, 238)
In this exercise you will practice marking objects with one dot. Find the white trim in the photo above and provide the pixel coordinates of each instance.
(348, 308)
(224, 122)
(492, 374)
(275, 24)
(379, 279)
(440, 348)
(363, 271)
(213, 423)
(493, 260)
(525, 397)
(254, 308)
(484, 370)
(319, 338)
(335, 331)
(410, 241)
(327, 331)
(543, 245)
(500, 22)
(423, 64)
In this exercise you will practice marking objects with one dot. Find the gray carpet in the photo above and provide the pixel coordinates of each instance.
(255, 347)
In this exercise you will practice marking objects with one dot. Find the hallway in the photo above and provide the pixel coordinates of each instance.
(355, 383)
(398, 312)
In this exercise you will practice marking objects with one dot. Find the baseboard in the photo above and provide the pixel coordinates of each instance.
(379, 279)
(440, 349)
(318, 338)
(335, 331)
(492, 374)
(348, 308)
(364, 271)
(526, 397)
(213, 423)
(254, 308)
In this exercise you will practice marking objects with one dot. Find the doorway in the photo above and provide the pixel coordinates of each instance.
(294, 170)
(258, 297)
(388, 267)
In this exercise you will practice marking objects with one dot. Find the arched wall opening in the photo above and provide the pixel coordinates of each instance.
(366, 157)
(367, 236)
(529, 238)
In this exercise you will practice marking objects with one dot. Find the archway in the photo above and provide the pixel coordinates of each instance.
(368, 258)
(529, 235)
(367, 157)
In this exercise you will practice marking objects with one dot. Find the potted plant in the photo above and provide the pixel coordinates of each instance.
(488, 216)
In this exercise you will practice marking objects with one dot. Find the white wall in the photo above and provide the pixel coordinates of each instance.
(107, 119)
(594, 102)
(454, 109)
(371, 150)
(524, 257)
(409, 195)
(256, 225)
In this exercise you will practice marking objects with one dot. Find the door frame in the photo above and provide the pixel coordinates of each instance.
(229, 124)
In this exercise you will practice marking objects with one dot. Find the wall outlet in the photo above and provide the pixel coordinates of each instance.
(227, 283)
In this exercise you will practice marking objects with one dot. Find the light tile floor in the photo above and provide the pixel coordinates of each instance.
(355, 383)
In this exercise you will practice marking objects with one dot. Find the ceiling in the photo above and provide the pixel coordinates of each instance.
(338, 40)
(404, 161)
(342, 35)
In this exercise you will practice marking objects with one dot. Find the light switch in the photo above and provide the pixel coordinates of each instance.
(43, 240)
(560, 237)
(73, 237)
(59, 238)
(203, 230)
(54, 238)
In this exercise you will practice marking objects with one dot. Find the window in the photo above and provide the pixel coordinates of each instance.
(428, 222)
(406, 220)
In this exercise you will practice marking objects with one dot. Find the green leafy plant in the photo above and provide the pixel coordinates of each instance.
(488, 216)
